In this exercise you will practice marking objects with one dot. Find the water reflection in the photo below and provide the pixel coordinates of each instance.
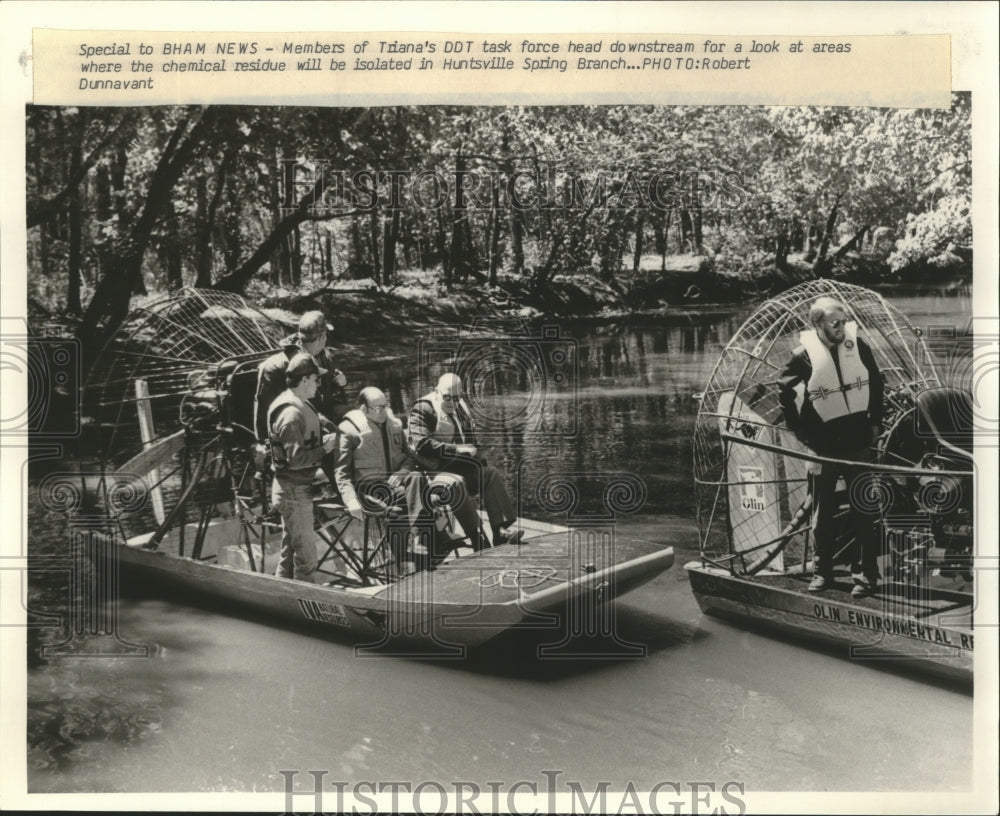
(621, 399)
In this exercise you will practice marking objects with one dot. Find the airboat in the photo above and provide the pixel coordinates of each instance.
(754, 507)
(182, 482)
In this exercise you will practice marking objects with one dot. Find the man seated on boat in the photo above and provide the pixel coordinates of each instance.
(298, 446)
(831, 398)
(331, 397)
(375, 459)
(443, 435)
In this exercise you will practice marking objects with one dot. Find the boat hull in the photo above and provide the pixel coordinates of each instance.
(930, 633)
(551, 582)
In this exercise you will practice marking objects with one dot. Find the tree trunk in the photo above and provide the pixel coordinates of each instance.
(73, 305)
(203, 236)
(356, 264)
(375, 262)
(687, 231)
(660, 241)
(640, 223)
(801, 240)
(495, 236)
(516, 224)
(295, 255)
(856, 242)
(46, 249)
(517, 241)
(119, 166)
(604, 245)
(113, 293)
(232, 229)
(390, 235)
(207, 210)
(102, 208)
(171, 251)
(824, 246)
(781, 250)
(543, 275)
(442, 248)
(461, 262)
(662, 248)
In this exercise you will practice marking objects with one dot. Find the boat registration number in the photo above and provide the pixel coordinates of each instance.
(324, 612)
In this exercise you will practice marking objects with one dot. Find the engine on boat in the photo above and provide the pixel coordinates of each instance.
(928, 520)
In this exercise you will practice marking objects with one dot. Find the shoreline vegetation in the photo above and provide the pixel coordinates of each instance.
(363, 312)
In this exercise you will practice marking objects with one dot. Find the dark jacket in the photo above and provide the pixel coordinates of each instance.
(330, 401)
(432, 452)
(847, 433)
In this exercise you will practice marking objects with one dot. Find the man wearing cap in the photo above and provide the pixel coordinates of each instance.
(831, 398)
(330, 399)
(444, 438)
(298, 445)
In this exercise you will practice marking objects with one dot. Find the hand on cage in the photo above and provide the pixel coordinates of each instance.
(339, 378)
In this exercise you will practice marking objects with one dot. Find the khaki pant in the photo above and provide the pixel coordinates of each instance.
(298, 538)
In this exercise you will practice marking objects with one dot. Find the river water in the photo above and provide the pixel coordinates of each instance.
(225, 702)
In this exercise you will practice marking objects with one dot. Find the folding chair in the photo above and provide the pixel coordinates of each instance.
(368, 559)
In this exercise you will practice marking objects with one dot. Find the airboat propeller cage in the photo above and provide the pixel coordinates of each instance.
(751, 490)
(190, 341)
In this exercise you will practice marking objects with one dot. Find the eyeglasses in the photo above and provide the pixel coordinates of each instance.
(451, 397)
(835, 324)
(381, 407)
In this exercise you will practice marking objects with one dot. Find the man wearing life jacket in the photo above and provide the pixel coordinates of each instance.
(375, 459)
(831, 398)
(442, 434)
(298, 445)
(330, 399)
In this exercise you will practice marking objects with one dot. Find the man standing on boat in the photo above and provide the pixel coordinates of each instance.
(298, 445)
(444, 438)
(831, 398)
(331, 398)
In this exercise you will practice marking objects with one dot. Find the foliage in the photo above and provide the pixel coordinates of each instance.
(125, 200)
(935, 236)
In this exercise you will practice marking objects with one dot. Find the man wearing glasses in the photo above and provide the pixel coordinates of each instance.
(444, 439)
(375, 460)
(831, 399)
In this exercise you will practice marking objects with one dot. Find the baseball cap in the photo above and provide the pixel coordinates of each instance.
(312, 323)
(302, 365)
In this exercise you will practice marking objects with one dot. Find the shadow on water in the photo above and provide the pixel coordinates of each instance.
(532, 654)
